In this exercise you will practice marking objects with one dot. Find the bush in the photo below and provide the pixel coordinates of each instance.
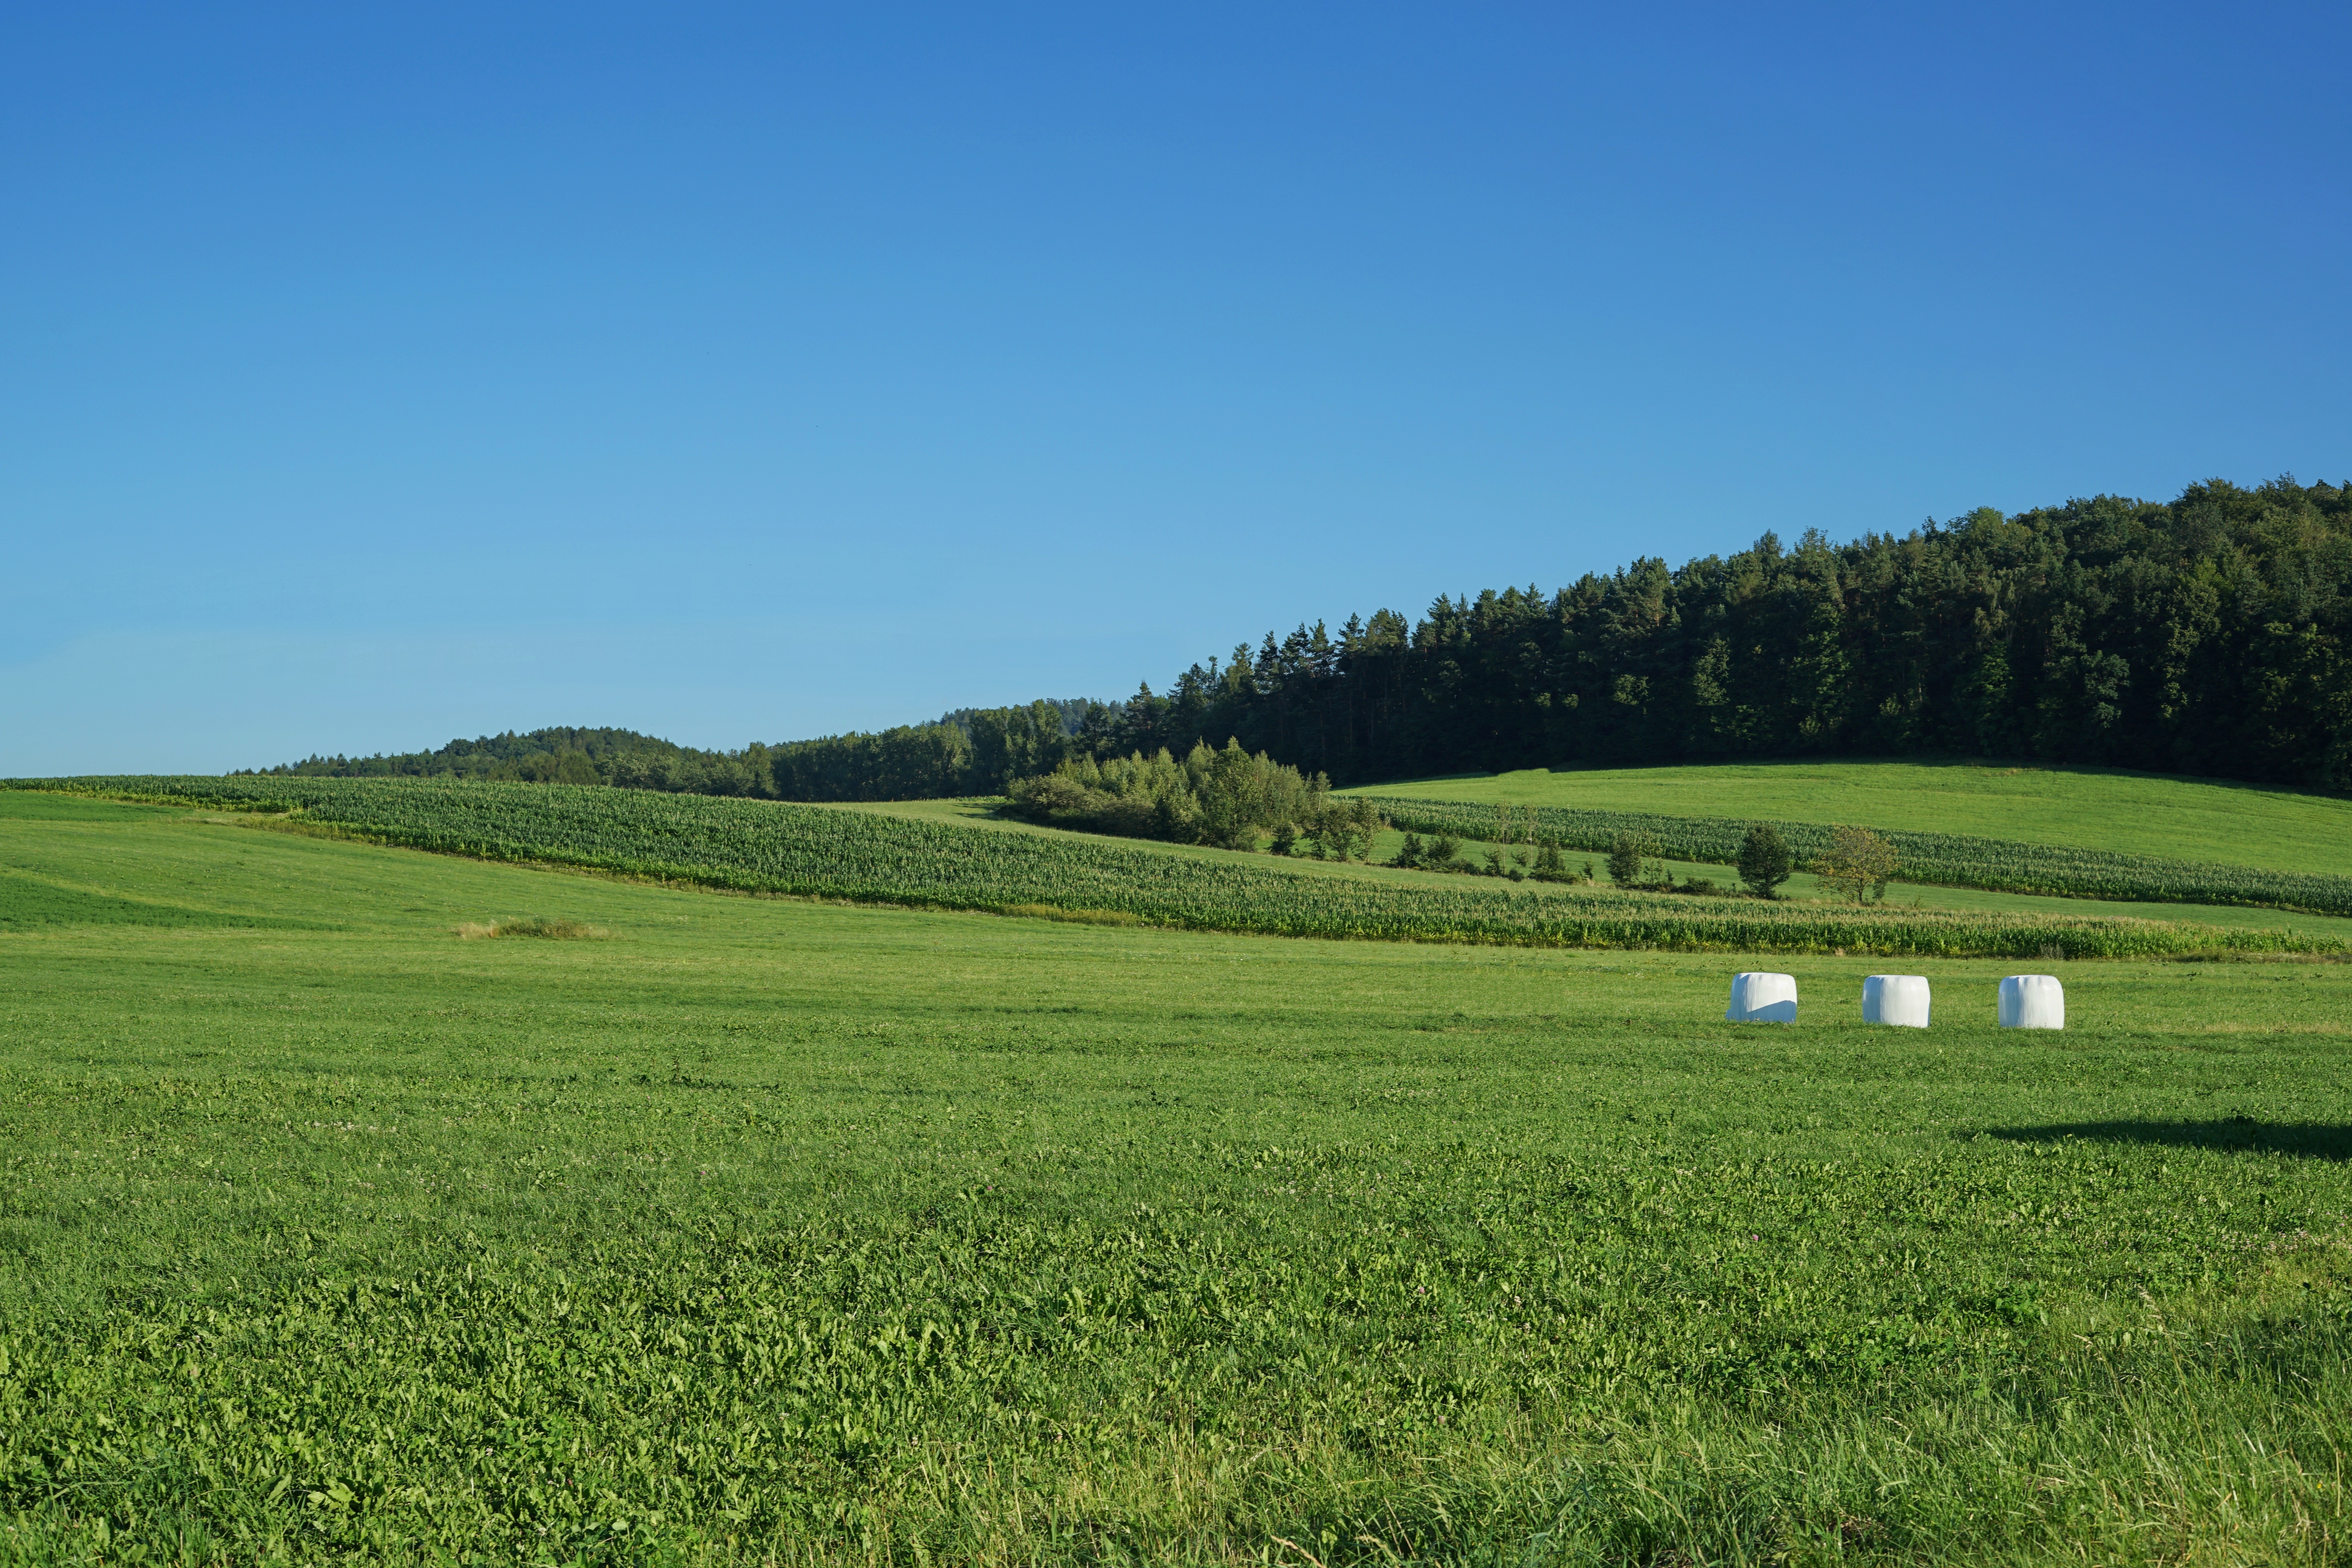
(1343, 829)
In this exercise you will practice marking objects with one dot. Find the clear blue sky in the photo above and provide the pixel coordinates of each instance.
(377, 374)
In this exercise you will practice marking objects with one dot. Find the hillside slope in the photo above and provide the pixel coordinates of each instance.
(2138, 814)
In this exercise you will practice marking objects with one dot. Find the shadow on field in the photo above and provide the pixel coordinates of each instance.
(2236, 1134)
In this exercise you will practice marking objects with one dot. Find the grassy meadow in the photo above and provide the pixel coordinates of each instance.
(2139, 814)
(752, 1229)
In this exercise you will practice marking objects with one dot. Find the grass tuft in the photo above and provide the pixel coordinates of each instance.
(552, 930)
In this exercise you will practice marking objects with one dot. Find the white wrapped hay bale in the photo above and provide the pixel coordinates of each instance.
(1898, 999)
(1759, 998)
(2032, 1002)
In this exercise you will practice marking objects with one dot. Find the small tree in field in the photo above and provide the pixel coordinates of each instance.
(1858, 861)
(1764, 861)
(1628, 855)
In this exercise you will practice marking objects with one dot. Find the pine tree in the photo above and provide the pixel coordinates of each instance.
(1764, 861)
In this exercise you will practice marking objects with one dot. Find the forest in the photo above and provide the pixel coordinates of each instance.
(2211, 634)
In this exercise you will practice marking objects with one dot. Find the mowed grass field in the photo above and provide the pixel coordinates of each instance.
(759, 1229)
(2142, 814)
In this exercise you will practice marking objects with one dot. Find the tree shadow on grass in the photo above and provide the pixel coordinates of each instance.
(2231, 1135)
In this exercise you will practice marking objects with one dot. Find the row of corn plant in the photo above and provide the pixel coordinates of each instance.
(1943, 859)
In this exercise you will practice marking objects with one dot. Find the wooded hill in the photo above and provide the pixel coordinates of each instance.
(2209, 636)
(972, 751)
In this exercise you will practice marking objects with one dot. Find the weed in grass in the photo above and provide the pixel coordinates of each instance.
(552, 930)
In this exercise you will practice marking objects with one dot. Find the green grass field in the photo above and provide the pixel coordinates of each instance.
(2141, 813)
(763, 1229)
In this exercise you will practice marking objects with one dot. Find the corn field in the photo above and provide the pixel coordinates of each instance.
(1941, 859)
(768, 847)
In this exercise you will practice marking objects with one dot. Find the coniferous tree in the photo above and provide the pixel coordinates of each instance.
(1765, 861)
(1628, 855)
(2208, 635)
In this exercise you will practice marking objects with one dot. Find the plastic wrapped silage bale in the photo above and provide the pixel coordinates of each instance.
(1757, 998)
(1898, 999)
(2032, 1002)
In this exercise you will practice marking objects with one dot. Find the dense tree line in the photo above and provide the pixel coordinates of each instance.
(559, 754)
(2213, 635)
(971, 752)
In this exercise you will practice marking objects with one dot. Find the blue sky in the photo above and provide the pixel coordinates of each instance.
(375, 375)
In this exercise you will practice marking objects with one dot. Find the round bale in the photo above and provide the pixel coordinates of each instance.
(1759, 998)
(2032, 1002)
(1898, 999)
